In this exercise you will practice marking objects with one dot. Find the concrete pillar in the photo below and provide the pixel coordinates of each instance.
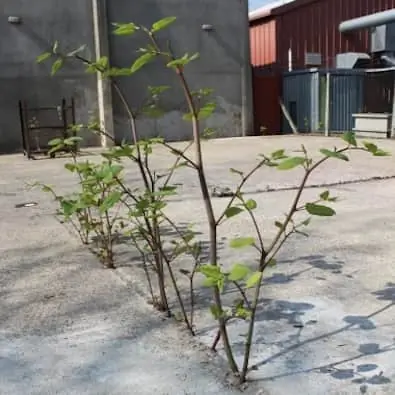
(104, 94)
(247, 119)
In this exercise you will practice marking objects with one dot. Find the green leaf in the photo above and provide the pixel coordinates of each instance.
(163, 24)
(183, 61)
(216, 311)
(167, 191)
(76, 51)
(279, 224)
(70, 167)
(380, 152)
(210, 282)
(349, 137)
(110, 201)
(251, 204)
(56, 66)
(125, 29)
(235, 171)
(67, 207)
(118, 72)
(242, 312)
(291, 163)
(324, 195)
(254, 280)
(241, 242)
(46, 188)
(372, 148)
(142, 61)
(279, 154)
(43, 57)
(232, 211)
(239, 272)
(207, 110)
(70, 141)
(334, 154)
(158, 90)
(102, 63)
(319, 210)
(210, 271)
(55, 142)
(55, 47)
(208, 133)
(187, 117)
(306, 222)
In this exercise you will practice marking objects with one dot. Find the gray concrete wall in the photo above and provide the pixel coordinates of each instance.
(21, 78)
(221, 66)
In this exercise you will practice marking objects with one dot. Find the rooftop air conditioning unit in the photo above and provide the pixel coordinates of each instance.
(383, 38)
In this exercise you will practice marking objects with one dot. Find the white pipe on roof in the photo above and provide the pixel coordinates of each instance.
(372, 20)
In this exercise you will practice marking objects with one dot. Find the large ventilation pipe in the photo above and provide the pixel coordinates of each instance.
(364, 22)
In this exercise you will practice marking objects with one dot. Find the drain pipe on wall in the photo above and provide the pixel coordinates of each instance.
(290, 59)
(327, 103)
(104, 96)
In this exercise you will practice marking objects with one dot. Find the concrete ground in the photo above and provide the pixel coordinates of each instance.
(327, 317)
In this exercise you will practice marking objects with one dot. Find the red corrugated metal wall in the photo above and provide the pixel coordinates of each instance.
(267, 113)
(263, 43)
(314, 27)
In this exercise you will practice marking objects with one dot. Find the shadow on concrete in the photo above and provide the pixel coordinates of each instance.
(358, 374)
(352, 322)
(274, 310)
(44, 292)
(319, 262)
(127, 254)
(281, 278)
(388, 293)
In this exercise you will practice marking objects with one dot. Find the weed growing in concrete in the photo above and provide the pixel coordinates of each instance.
(145, 205)
(94, 208)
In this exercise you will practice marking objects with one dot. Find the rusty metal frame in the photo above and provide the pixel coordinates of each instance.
(62, 130)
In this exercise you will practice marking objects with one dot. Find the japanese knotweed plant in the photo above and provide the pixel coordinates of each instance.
(69, 210)
(94, 208)
(146, 216)
(146, 207)
(146, 204)
(247, 281)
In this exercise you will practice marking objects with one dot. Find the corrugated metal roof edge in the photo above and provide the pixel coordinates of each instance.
(291, 6)
(267, 11)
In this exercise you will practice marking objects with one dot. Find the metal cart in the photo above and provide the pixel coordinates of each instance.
(39, 125)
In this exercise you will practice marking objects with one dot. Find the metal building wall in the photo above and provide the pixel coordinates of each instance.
(301, 98)
(263, 42)
(312, 26)
(379, 91)
(346, 98)
(304, 96)
(267, 112)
